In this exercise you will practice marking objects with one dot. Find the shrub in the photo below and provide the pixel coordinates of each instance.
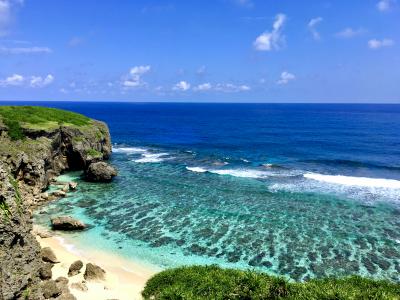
(213, 282)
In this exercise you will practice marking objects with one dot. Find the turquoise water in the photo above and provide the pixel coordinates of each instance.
(301, 191)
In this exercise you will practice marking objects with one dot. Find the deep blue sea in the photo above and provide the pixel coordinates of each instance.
(300, 190)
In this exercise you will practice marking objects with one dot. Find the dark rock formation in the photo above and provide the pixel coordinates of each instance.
(67, 223)
(49, 256)
(27, 167)
(50, 289)
(75, 268)
(100, 172)
(94, 272)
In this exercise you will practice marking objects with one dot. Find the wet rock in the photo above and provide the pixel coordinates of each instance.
(59, 194)
(72, 185)
(197, 249)
(80, 286)
(94, 272)
(45, 272)
(75, 268)
(49, 256)
(266, 264)
(67, 223)
(100, 172)
(50, 289)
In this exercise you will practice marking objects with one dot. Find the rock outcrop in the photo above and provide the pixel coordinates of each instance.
(94, 272)
(100, 172)
(75, 268)
(27, 166)
(67, 223)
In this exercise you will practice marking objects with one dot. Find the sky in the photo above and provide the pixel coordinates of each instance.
(201, 51)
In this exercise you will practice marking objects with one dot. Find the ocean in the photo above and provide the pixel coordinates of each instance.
(298, 190)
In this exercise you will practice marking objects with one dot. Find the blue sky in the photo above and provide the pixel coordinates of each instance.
(202, 51)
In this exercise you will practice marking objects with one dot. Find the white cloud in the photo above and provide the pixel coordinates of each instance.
(32, 81)
(349, 33)
(181, 86)
(231, 88)
(385, 5)
(376, 44)
(38, 81)
(312, 27)
(13, 80)
(25, 50)
(134, 78)
(203, 87)
(286, 77)
(272, 40)
(6, 8)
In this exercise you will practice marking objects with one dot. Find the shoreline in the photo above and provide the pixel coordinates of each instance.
(125, 279)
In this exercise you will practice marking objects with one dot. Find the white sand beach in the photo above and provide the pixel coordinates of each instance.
(124, 279)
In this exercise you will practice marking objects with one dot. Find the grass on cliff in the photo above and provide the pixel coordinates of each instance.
(213, 282)
(36, 117)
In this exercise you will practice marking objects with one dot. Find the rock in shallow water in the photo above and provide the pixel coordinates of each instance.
(100, 172)
(67, 223)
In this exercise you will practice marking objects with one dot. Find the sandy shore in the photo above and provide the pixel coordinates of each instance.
(124, 279)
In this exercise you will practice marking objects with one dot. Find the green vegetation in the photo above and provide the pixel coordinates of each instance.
(36, 117)
(5, 210)
(18, 198)
(94, 153)
(213, 282)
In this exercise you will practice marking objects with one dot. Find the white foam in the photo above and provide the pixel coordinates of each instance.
(355, 181)
(196, 169)
(244, 173)
(151, 158)
(129, 150)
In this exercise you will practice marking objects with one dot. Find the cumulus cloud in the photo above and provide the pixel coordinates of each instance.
(30, 81)
(134, 78)
(203, 87)
(38, 81)
(385, 5)
(349, 33)
(312, 27)
(13, 80)
(25, 50)
(181, 86)
(286, 77)
(377, 44)
(272, 40)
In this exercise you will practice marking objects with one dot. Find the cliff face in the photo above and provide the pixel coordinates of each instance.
(27, 166)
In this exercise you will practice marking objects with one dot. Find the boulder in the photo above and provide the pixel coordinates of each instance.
(66, 223)
(100, 172)
(94, 272)
(66, 296)
(49, 256)
(50, 289)
(80, 286)
(75, 268)
(62, 283)
(59, 194)
(45, 271)
(73, 185)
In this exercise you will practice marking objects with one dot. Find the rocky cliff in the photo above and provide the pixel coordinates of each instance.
(32, 153)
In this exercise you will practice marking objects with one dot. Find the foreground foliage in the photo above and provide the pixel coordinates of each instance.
(17, 117)
(213, 282)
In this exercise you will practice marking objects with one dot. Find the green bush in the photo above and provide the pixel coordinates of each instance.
(213, 282)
